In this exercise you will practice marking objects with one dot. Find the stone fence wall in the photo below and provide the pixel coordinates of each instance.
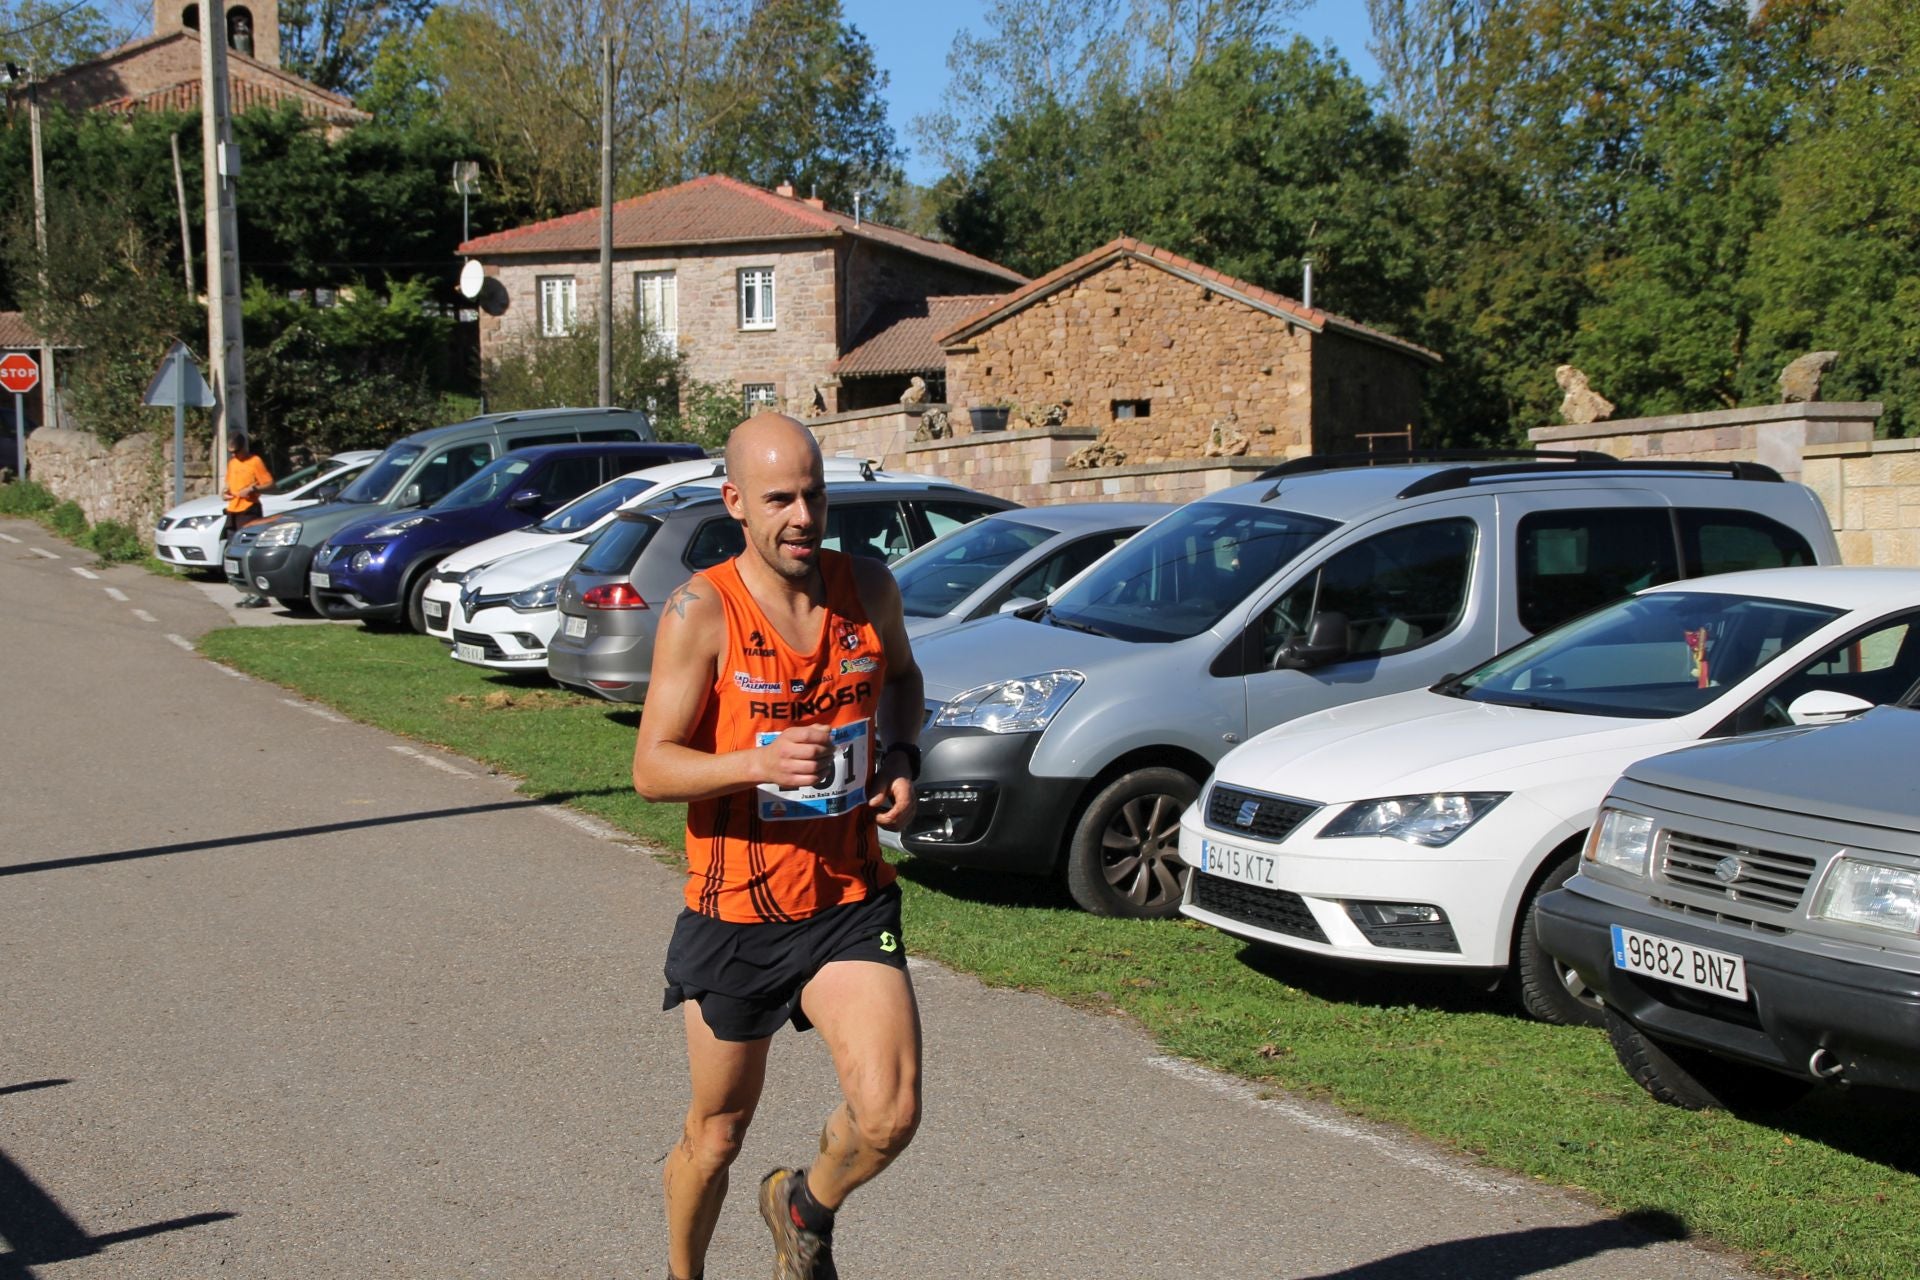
(131, 481)
(1028, 467)
(1872, 490)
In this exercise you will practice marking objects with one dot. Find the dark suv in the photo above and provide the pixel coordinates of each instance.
(271, 557)
(607, 616)
(378, 567)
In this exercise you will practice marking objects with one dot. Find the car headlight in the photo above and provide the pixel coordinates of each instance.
(1025, 705)
(201, 522)
(393, 528)
(1871, 894)
(279, 535)
(539, 596)
(1431, 820)
(1622, 841)
(361, 559)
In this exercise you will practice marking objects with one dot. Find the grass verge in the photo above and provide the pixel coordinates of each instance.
(1828, 1189)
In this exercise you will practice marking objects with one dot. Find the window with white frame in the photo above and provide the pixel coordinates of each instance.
(758, 396)
(656, 298)
(756, 298)
(556, 306)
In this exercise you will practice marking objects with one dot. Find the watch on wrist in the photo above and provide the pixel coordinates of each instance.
(911, 752)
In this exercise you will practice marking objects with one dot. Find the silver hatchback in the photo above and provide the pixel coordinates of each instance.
(607, 602)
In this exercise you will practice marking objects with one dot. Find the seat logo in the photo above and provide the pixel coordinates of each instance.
(1729, 870)
(1249, 810)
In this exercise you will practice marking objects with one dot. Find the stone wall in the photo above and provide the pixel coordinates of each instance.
(1777, 435)
(1872, 490)
(793, 357)
(131, 481)
(1133, 332)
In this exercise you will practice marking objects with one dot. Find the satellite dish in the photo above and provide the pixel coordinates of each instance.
(473, 278)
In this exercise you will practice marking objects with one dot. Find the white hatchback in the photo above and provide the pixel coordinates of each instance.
(191, 534)
(1419, 829)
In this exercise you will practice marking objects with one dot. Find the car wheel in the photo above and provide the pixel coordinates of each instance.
(1549, 988)
(1682, 1076)
(1125, 856)
(293, 604)
(416, 610)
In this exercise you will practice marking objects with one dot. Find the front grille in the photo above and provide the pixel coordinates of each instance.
(1765, 880)
(487, 646)
(1265, 817)
(1273, 909)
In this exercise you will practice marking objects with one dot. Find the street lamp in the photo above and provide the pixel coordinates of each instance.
(466, 180)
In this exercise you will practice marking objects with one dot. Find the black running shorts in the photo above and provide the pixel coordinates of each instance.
(748, 977)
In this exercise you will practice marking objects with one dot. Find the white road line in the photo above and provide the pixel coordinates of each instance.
(312, 710)
(433, 763)
(229, 671)
(182, 641)
(1394, 1148)
(88, 574)
(10, 538)
(115, 593)
(581, 822)
(41, 551)
(144, 616)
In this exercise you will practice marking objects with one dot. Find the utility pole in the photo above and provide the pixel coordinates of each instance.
(49, 384)
(226, 345)
(186, 227)
(606, 221)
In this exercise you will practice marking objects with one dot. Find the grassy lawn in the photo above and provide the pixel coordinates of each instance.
(1828, 1189)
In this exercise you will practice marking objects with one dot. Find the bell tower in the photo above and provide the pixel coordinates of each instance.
(253, 26)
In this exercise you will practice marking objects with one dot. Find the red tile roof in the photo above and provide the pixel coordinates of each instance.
(1311, 318)
(905, 337)
(714, 209)
(15, 333)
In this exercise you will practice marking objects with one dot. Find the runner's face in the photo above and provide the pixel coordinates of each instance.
(783, 501)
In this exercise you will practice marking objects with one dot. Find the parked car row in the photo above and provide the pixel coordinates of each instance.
(1365, 713)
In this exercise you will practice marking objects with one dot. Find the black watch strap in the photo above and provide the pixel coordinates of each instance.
(911, 751)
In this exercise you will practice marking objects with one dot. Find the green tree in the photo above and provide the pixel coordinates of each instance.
(50, 36)
(334, 43)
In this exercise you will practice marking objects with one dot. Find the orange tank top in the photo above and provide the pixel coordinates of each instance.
(785, 854)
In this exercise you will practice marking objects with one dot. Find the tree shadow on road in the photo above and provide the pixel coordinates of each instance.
(1515, 1254)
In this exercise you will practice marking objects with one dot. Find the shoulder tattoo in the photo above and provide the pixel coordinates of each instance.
(682, 596)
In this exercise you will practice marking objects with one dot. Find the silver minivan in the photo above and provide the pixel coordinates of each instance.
(1069, 736)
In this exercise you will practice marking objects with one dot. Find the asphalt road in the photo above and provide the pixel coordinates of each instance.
(282, 996)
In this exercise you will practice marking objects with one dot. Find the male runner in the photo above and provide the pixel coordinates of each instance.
(784, 708)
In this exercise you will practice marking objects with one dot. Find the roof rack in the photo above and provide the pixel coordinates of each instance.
(1340, 461)
(1461, 477)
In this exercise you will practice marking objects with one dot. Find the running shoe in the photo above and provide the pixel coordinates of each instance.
(798, 1254)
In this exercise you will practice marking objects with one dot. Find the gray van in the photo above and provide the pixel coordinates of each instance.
(1069, 736)
(272, 557)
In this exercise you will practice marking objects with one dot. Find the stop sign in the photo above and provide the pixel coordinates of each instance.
(19, 373)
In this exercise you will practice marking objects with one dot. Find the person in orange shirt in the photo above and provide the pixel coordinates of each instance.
(247, 478)
(784, 709)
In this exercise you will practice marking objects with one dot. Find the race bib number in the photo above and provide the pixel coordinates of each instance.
(840, 788)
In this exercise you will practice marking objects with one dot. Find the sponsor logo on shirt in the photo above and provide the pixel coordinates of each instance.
(849, 636)
(798, 686)
(801, 708)
(748, 684)
(849, 666)
(757, 648)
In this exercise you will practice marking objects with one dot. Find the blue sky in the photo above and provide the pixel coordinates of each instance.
(910, 42)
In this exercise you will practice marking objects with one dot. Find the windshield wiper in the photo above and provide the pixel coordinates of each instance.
(1056, 620)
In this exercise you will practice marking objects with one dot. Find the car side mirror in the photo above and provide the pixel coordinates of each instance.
(1325, 642)
(525, 500)
(326, 493)
(1016, 604)
(409, 496)
(1824, 706)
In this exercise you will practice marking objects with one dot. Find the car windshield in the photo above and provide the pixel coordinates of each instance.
(589, 507)
(377, 482)
(618, 547)
(1651, 657)
(1181, 576)
(944, 572)
(288, 483)
(491, 482)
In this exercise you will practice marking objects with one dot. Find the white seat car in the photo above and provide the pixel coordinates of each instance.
(496, 598)
(191, 534)
(1419, 829)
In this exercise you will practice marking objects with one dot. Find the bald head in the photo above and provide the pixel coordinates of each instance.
(769, 440)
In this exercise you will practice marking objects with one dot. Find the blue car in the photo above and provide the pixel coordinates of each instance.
(376, 568)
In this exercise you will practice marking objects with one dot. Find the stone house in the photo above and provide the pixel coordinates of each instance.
(764, 290)
(161, 72)
(1158, 352)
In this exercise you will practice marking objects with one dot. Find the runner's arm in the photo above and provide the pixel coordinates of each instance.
(686, 656)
